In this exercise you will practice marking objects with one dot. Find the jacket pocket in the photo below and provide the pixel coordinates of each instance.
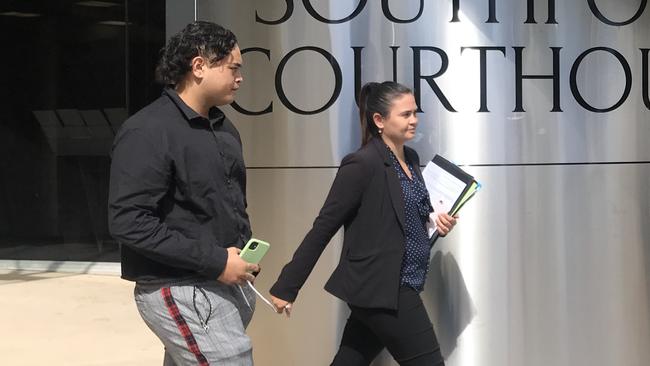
(359, 256)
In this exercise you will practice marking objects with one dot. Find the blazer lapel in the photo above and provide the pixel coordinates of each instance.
(394, 186)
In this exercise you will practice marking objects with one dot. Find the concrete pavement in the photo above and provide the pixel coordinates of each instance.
(69, 319)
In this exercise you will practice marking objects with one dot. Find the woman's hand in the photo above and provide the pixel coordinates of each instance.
(281, 306)
(445, 222)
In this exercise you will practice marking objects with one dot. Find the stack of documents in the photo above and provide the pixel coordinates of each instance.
(449, 186)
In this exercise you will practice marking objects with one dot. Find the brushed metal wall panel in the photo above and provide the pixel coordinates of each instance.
(283, 204)
(500, 136)
(549, 265)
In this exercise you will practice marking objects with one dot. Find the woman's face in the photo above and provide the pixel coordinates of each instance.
(399, 126)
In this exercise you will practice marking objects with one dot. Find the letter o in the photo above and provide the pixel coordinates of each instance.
(574, 86)
(338, 80)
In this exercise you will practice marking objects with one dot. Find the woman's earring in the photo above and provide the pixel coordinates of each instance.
(380, 130)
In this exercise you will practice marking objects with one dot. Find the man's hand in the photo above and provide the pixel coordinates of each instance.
(281, 306)
(445, 223)
(237, 270)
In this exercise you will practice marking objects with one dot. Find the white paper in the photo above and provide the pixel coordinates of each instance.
(444, 188)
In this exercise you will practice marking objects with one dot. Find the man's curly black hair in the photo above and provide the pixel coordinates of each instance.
(199, 38)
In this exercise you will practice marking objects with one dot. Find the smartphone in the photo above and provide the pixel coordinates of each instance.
(254, 250)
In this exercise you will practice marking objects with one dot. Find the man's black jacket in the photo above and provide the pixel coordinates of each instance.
(177, 192)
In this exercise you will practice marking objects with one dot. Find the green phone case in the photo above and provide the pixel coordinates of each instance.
(254, 250)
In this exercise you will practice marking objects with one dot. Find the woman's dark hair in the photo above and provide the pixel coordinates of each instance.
(199, 38)
(377, 98)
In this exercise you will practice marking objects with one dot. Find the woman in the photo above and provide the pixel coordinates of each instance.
(380, 198)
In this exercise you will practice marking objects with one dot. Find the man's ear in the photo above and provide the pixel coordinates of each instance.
(197, 65)
(379, 120)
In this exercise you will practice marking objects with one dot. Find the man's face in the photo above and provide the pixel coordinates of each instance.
(222, 79)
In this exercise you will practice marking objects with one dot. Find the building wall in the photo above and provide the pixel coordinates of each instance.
(550, 263)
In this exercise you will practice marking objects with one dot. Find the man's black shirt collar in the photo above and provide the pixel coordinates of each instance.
(215, 115)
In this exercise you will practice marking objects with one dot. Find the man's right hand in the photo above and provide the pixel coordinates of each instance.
(237, 270)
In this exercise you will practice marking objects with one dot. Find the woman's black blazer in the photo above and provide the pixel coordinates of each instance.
(366, 198)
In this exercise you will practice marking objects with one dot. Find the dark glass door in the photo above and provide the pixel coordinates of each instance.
(72, 73)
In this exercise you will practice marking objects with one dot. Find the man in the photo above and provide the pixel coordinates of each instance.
(177, 204)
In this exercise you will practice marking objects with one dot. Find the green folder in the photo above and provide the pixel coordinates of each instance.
(469, 193)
